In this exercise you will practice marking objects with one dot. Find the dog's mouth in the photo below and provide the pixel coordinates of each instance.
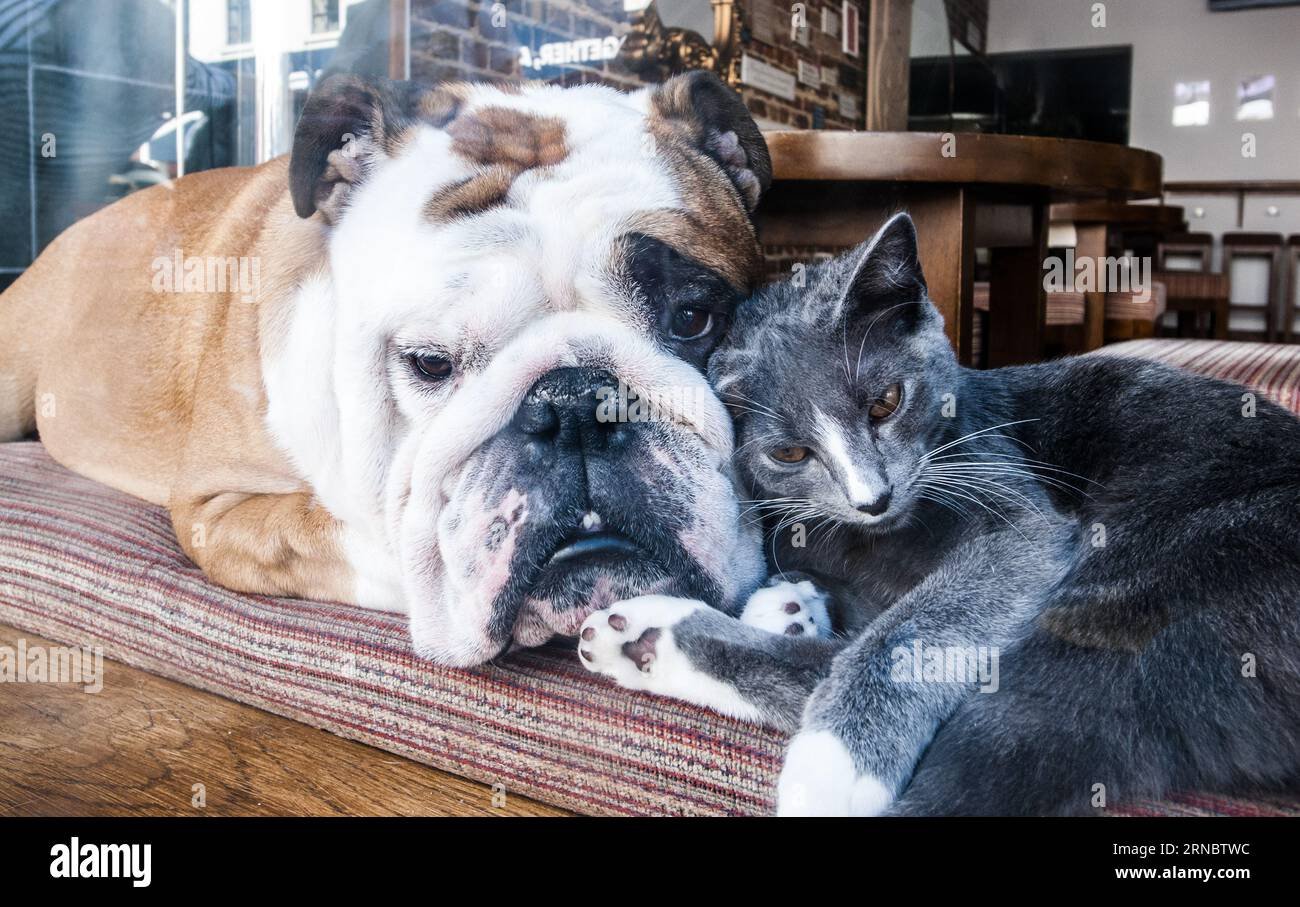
(592, 541)
(589, 562)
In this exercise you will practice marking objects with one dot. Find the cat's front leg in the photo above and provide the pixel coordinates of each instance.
(689, 651)
(866, 725)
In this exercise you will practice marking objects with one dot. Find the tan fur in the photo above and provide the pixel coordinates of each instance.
(160, 394)
(710, 231)
(511, 138)
(504, 143)
(476, 194)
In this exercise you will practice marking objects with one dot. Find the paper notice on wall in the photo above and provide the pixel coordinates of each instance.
(810, 74)
(768, 21)
(766, 77)
(830, 22)
(848, 106)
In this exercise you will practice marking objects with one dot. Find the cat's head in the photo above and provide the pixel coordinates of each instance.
(836, 383)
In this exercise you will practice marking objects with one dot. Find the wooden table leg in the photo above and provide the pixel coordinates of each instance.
(1221, 315)
(1017, 299)
(1092, 244)
(945, 228)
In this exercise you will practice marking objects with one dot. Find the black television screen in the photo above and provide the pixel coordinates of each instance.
(1226, 5)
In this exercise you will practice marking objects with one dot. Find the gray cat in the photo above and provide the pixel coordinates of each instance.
(1053, 587)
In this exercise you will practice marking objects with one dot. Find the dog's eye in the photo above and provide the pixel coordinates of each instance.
(887, 403)
(431, 367)
(691, 324)
(789, 454)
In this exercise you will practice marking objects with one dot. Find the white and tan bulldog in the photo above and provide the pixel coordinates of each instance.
(374, 372)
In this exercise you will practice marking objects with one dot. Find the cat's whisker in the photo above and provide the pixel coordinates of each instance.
(849, 379)
(752, 402)
(975, 434)
(857, 368)
(975, 500)
(1038, 464)
(1015, 495)
(934, 496)
(1007, 470)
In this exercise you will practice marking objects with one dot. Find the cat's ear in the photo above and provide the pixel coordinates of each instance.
(887, 270)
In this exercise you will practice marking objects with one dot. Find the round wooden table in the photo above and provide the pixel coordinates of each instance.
(964, 190)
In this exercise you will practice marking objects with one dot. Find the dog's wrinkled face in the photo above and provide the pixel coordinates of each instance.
(526, 285)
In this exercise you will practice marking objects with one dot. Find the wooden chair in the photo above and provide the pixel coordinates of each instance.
(1291, 261)
(1196, 296)
(1189, 245)
(1063, 324)
(1129, 317)
(1257, 245)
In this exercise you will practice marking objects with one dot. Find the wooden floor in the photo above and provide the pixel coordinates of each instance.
(142, 744)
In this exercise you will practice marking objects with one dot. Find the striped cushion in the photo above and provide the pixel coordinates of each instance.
(1271, 368)
(85, 565)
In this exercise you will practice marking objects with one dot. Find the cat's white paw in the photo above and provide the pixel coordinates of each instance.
(632, 642)
(820, 779)
(795, 609)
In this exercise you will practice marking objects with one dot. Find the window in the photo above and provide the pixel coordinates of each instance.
(324, 16)
(1191, 103)
(1255, 98)
(239, 22)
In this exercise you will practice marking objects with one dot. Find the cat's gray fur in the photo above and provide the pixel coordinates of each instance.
(1125, 533)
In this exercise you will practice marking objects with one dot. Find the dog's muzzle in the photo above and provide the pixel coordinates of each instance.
(569, 500)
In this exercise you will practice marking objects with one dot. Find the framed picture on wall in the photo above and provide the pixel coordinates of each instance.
(851, 28)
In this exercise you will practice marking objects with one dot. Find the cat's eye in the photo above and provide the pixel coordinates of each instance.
(430, 366)
(887, 403)
(691, 323)
(789, 454)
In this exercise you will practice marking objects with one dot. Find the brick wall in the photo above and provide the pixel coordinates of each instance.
(771, 40)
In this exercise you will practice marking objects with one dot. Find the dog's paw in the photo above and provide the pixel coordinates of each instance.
(820, 779)
(633, 643)
(795, 609)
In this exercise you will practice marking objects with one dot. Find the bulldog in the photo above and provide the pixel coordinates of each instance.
(376, 371)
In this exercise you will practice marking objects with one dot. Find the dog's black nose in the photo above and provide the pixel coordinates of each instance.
(570, 407)
(878, 506)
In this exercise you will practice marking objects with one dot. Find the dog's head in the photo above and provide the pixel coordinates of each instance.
(526, 285)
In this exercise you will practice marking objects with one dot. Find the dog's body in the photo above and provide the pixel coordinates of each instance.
(398, 413)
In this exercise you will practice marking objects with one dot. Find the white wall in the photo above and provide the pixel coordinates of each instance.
(930, 30)
(1181, 40)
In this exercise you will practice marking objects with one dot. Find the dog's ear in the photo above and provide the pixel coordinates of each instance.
(346, 122)
(717, 123)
